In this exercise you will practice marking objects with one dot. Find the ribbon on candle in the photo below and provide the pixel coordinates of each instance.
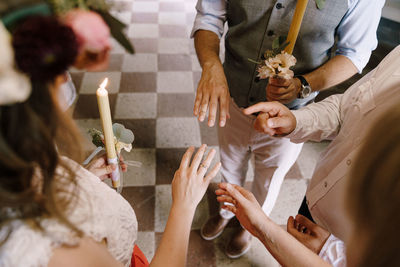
(295, 25)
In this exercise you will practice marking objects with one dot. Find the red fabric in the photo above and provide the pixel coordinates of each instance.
(138, 258)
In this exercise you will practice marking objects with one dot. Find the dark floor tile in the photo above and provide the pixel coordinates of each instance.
(171, 6)
(209, 135)
(167, 162)
(142, 199)
(145, 45)
(200, 252)
(213, 204)
(144, 131)
(138, 17)
(172, 31)
(138, 82)
(175, 105)
(77, 78)
(87, 108)
(170, 62)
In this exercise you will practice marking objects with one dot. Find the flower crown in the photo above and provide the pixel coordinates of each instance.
(91, 23)
(15, 87)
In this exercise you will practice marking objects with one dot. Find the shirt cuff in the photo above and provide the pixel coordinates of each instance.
(204, 22)
(359, 62)
(334, 252)
(204, 27)
(301, 124)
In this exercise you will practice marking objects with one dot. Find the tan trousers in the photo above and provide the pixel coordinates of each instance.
(274, 156)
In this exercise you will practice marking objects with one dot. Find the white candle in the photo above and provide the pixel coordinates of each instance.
(105, 117)
(295, 25)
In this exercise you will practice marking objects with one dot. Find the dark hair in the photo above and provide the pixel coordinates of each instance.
(34, 133)
(373, 194)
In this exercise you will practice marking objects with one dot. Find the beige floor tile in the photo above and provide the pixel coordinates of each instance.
(144, 175)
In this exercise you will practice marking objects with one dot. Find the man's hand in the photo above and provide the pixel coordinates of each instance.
(211, 92)
(274, 119)
(244, 206)
(282, 90)
(308, 233)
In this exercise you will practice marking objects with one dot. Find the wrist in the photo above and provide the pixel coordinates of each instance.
(211, 64)
(183, 209)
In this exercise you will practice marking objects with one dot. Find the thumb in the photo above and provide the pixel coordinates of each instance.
(279, 122)
(105, 170)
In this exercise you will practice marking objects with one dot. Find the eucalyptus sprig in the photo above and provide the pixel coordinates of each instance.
(320, 3)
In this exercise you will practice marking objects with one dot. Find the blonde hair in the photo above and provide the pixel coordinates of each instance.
(373, 194)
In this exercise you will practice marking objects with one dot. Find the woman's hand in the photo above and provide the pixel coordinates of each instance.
(101, 169)
(190, 183)
(244, 206)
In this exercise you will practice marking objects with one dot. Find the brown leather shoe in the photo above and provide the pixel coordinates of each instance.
(213, 227)
(239, 244)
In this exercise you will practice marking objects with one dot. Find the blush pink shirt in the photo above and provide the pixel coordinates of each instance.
(344, 118)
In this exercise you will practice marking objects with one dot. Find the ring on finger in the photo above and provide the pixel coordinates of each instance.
(203, 166)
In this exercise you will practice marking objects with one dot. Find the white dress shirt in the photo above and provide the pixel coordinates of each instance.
(356, 32)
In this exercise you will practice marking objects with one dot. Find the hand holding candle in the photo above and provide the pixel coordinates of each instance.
(105, 116)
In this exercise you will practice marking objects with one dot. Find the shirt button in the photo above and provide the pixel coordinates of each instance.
(270, 33)
(279, 6)
(348, 162)
(308, 203)
(325, 184)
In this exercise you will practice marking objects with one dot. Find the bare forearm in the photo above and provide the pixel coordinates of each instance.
(333, 72)
(207, 48)
(173, 247)
(286, 249)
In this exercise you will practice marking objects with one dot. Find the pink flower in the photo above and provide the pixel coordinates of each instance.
(93, 36)
(89, 27)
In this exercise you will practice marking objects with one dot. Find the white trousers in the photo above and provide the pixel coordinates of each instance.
(273, 156)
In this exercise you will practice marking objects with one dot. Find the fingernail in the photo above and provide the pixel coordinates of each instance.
(211, 123)
(270, 123)
(222, 123)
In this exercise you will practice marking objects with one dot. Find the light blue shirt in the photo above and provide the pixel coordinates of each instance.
(356, 32)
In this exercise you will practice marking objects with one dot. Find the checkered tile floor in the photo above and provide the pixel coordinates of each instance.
(152, 93)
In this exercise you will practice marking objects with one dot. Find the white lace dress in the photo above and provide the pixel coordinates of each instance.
(99, 212)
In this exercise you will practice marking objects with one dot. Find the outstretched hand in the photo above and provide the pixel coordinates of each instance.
(243, 204)
(308, 233)
(190, 180)
(212, 92)
(274, 118)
